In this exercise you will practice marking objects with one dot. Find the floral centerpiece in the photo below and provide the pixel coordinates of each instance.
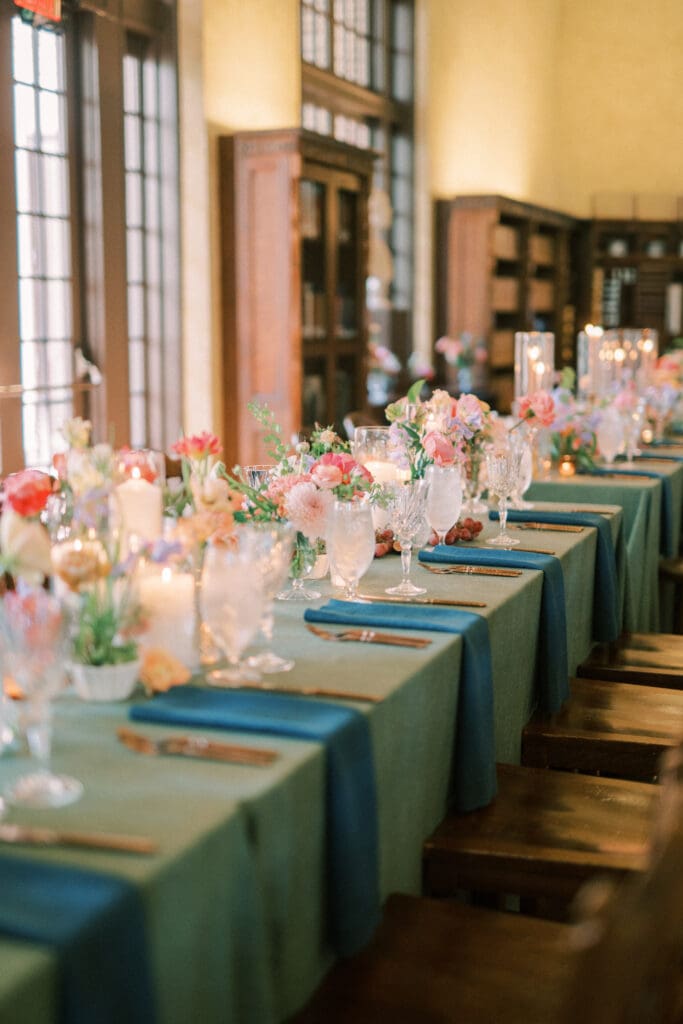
(573, 433)
(304, 482)
(463, 354)
(24, 540)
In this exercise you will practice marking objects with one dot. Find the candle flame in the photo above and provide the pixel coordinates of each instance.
(135, 473)
(166, 574)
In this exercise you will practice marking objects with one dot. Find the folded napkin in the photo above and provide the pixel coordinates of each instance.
(552, 640)
(474, 769)
(351, 806)
(95, 924)
(606, 621)
(667, 540)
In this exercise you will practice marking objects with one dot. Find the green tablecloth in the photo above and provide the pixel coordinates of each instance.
(640, 499)
(235, 899)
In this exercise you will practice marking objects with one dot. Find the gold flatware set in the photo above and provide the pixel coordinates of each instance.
(39, 836)
(448, 602)
(547, 527)
(469, 570)
(364, 636)
(196, 746)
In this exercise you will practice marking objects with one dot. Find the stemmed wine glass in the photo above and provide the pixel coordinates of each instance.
(278, 541)
(523, 446)
(502, 466)
(407, 510)
(633, 420)
(232, 599)
(350, 542)
(34, 635)
(444, 500)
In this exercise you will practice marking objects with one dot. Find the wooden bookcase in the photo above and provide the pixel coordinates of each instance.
(503, 266)
(294, 241)
(631, 275)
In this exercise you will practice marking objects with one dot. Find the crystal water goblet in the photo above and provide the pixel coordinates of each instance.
(232, 600)
(444, 499)
(524, 447)
(350, 542)
(633, 421)
(407, 511)
(278, 540)
(474, 482)
(502, 466)
(34, 634)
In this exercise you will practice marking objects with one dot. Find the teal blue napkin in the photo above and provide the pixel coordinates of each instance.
(661, 457)
(474, 782)
(552, 636)
(351, 805)
(666, 544)
(95, 924)
(606, 618)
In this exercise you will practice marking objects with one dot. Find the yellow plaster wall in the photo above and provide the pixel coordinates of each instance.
(491, 97)
(251, 63)
(620, 109)
(555, 100)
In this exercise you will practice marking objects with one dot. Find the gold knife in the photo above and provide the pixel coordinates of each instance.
(196, 746)
(39, 836)
(448, 601)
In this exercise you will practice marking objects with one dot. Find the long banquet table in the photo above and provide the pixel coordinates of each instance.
(235, 899)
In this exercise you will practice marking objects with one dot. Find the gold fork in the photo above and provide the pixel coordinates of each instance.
(369, 636)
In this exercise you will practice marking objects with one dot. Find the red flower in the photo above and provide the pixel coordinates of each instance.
(197, 446)
(27, 491)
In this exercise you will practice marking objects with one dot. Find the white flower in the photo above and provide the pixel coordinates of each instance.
(76, 432)
(307, 508)
(25, 544)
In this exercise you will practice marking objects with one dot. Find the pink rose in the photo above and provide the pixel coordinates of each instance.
(538, 406)
(346, 464)
(439, 448)
(327, 477)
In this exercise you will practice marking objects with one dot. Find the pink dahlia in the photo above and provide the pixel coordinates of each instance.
(307, 506)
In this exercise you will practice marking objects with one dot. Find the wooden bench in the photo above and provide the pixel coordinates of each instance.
(544, 835)
(438, 961)
(647, 659)
(611, 728)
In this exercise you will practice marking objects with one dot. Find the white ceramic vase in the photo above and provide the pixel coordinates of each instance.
(105, 682)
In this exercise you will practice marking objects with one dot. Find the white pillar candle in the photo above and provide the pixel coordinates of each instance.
(140, 506)
(167, 599)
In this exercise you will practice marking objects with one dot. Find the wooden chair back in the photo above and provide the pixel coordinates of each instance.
(630, 939)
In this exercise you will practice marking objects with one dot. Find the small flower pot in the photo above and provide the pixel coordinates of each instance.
(105, 682)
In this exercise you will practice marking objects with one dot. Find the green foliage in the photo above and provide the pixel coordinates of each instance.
(272, 435)
(107, 616)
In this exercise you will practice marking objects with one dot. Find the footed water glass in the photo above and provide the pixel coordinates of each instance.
(278, 541)
(444, 499)
(350, 542)
(232, 601)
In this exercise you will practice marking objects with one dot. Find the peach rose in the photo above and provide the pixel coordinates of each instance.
(538, 407)
(25, 544)
(439, 448)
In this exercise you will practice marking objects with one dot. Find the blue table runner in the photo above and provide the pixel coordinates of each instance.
(95, 924)
(474, 781)
(552, 641)
(666, 543)
(351, 803)
(606, 617)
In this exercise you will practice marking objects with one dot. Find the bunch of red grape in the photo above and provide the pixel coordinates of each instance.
(464, 529)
